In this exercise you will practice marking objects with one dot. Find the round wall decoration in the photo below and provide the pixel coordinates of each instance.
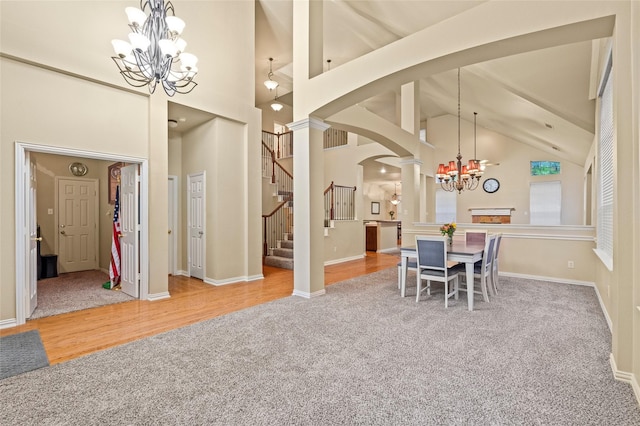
(491, 185)
(78, 169)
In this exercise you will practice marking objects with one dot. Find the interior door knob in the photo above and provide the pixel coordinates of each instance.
(62, 232)
(37, 239)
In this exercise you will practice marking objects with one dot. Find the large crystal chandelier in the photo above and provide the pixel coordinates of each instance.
(155, 52)
(455, 176)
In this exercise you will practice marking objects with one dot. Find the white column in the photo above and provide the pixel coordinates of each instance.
(308, 207)
(410, 203)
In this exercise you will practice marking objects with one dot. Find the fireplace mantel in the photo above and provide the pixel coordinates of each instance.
(491, 214)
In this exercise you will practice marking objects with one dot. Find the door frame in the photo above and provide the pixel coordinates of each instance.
(96, 217)
(22, 175)
(173, 214)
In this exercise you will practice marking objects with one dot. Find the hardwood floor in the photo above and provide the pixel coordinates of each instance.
(72, 335)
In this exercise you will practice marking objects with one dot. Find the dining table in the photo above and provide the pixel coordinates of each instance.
(459, 251)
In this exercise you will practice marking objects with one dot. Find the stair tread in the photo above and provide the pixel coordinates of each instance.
(283, 252)
(279, 262)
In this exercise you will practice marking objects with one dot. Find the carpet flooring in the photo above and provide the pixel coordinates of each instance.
(538, 354)
(20, 353)
(73, 292)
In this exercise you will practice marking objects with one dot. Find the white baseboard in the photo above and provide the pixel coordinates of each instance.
(255, 277)
(8, 323)
(182, 273)
(233, 280)
(604, 309)
(308, 295)
(626, 377)
(159, 296)
(388, 250)
(548, 279)
(344, 259)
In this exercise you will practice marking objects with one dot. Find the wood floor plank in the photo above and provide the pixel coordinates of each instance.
(72, 335)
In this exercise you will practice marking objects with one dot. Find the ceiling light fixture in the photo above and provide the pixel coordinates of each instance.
(474, 165)
(455, 176)
(276, 106)
(173, 124)
(394, 198)
(270, 83)
(155, 52)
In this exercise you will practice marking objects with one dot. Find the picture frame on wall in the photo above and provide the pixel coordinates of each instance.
(114, 180)
(375, 207)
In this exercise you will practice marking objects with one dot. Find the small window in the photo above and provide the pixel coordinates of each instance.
(545, 203)
(445, 206)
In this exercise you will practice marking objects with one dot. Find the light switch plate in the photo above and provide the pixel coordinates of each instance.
(50, 211)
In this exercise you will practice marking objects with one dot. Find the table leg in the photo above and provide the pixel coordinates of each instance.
(403, 276)
(470, 282)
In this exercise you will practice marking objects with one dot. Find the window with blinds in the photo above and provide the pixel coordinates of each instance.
(545, 203)
(445, 206)
(605, 170)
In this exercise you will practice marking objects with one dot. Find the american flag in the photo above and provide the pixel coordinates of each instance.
(114, 267)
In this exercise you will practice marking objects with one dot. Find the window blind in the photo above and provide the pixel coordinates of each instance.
(445, 206)
(605, 170)
(545, 203)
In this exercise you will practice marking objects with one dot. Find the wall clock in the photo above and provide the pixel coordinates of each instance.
(491, 185)
(78, 169)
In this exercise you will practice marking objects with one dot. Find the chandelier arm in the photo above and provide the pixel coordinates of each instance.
(169, 7)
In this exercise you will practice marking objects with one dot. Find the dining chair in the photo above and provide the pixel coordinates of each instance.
(483, 270)
(433, 266)
(475, 236)
(494, 276)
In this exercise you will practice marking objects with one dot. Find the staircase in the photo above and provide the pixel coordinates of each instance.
(338, 200)
(282, 255)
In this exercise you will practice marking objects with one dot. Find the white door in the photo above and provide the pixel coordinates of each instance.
(196, 224)
(32, 272)
(77, 226)
(129, 228)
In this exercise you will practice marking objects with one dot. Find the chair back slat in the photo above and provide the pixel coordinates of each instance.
(432, 253)
(487, 256)
(475, 237)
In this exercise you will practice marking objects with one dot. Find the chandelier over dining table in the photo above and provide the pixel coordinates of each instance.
(155, 52)
(455, 176)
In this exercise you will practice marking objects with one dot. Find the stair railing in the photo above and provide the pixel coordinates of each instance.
(332, 138)
(280, 143)
(272, 169)
(339, 203)
(275, 225)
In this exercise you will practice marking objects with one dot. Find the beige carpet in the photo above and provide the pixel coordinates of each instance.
(73, 292)
(538, 354)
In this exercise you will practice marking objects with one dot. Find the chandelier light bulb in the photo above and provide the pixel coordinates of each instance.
(175, 24)
(122, 48)
(168, 48)
(136, 16)
(181, 45)
(139, 41)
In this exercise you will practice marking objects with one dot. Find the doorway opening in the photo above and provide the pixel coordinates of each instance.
(27, 215)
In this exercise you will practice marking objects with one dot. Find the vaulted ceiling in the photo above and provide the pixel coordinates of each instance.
(542, 98)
